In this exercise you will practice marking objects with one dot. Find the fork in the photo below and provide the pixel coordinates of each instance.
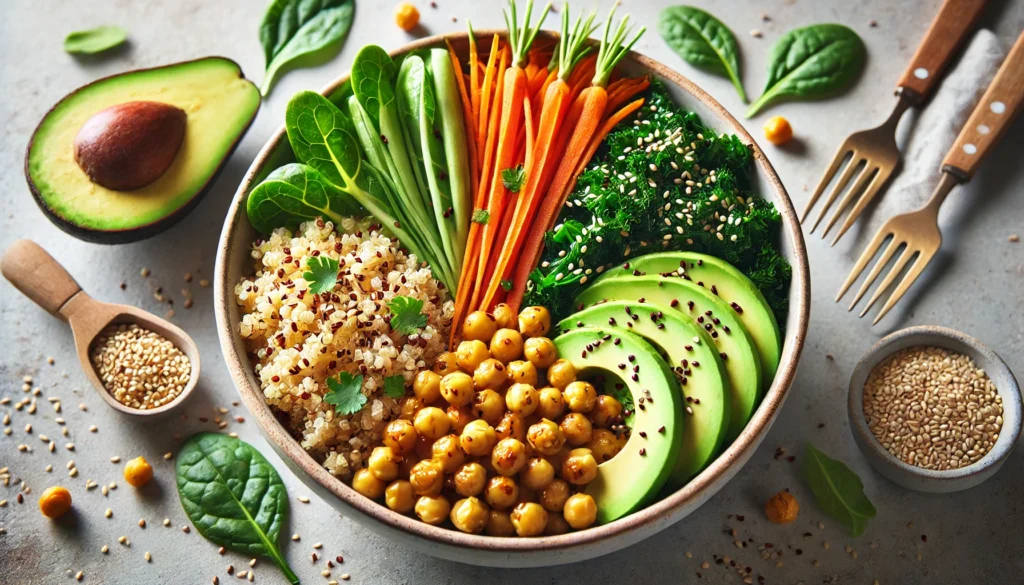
(875, 150)
(917, 232)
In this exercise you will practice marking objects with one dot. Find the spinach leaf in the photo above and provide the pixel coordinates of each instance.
(298, 33)
(838, 490)
(95, 40)
(811, 63)
(296, 193)
(702, 41)
(233, 496)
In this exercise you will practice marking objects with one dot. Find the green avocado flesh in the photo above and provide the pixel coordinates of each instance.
(219, 104)
(705, 386)
(742, 363)
(631, 479)
(729, 284)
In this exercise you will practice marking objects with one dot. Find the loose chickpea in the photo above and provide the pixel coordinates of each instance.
(606, 410)
(445, 364)
(604, 445)
(478, 438)
(470, 479)
(556, 525)
(431, 423)
(540, 351)
(470, 515)
(551, 404)
(408, 406)
(460, 417)
(580, 467)
(499, 524)
(545, 437)
(561, 373)
(383, 463)
(580, 396)
(488, 405)
(367, 484)
(580, 511)
(509, 456)
(427, 386)
(534, 322)
(427, 477)
(507, 345)
(554, 496)
(479, 325)
(457, 388)
(537, 473)
(138, 472)
(433, 509)
(782, 508)
(407, 17)
(511, 425)
(55, 502)
(501, 492)
(522, 372)
(522, 399)
(470, 354)
(399, 496)
(529, 518)
(400, 435)
(577, 429)
(449, 453)
(504, 316)
(491, 374)
(778, 131)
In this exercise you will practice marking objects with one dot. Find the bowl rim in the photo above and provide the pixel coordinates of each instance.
(883, 349)
(692, 492)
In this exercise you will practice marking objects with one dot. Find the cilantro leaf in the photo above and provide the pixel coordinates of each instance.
(346, 393)
(481, 216)
(513, 178)
(506, 285)
(322, 274)
(407, 315)
(394, 386)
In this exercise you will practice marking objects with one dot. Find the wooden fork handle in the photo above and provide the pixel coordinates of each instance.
(947, 32)
(991, 117)
(38, 276)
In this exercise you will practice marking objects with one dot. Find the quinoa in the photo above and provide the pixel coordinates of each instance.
(299, 339)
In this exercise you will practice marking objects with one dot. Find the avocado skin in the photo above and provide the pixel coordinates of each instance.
(135, 234)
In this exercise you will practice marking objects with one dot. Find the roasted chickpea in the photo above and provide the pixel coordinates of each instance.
(489, 406)
(433, 509)
(460, 417)
(580, 396)
(491, 374)
(457, 389)
(507, 345)
(470, 354)
(427, 477)
(537, 473)
(561, 373)
(556, 525)
(470, 515)
(400, 497)
(511, 425)
(427, 386)
(504, 316)
(529, 518)
(447, 451)
(470, 479)
(499, 524)
(577, 429)
(540, 351)
(778, 131)
(534, 322)
(138, 472)
(431, 423)
(604, 445)
(580, 511)
(509, 456)
(383, 463)
(478, 438)
(408, 406)
(551, 403)
(545, 437)
(521, 372)
(445, 364)
(580, 467)
(479, 325)
(554, 496)
(522, 399)
(367, 484)
(407, 16)
(56, 501)
(606, 410)
(501, 492)
(401, 436)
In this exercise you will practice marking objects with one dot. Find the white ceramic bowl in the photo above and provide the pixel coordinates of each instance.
(917, 478)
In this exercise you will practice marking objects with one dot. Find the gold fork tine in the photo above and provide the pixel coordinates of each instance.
(876, 185)
(837, 161)
(894, 246)
(862, 262)
(906, 256)
(840, 186)
(919, 265)
(862, 180)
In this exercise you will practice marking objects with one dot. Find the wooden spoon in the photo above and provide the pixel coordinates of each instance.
(41, 278)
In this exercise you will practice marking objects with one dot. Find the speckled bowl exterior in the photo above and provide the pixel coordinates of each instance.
(926, 480)
(233, 261)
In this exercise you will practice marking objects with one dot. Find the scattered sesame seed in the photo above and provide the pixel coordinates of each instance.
(252, 562)
(168, 455)
(295, 537)
(105, 549)
(149, 557)
(142, 522)
(167, 522)
(1014, 238)
(108, 513)
(79, 575)
(303, 499)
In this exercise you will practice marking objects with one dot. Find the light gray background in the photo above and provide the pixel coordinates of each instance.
(973, 537)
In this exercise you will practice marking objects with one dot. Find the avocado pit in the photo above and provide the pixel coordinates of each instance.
(130, 145)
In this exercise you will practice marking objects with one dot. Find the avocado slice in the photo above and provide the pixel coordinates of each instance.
(742, 364)
(634, 477)
(726, 281)
(705, 386)
(218, 104)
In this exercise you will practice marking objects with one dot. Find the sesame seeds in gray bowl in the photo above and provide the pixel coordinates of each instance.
(934, 410)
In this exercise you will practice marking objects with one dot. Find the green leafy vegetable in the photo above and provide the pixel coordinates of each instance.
(481, 216)
(233, 496)
(812, 63)
(346, 393)
(513, 178)
(296, 193)
(394, 386)
(407, 315)
(95, 40)
(301, 33)
(322, 275)
(838, 490)
(702, 41)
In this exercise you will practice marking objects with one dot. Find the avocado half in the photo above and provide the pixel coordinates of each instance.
(219, 104)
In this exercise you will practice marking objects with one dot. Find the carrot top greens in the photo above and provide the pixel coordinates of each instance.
(521, 39)
(611, 52)
(572, 46)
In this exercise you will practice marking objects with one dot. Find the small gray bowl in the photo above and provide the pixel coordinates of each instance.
(917, 478)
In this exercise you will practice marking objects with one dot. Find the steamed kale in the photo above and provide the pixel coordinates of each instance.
(661, 180)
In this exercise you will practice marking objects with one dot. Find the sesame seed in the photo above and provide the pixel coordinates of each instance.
(149, 557)
(105, 549)
(108, 513)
